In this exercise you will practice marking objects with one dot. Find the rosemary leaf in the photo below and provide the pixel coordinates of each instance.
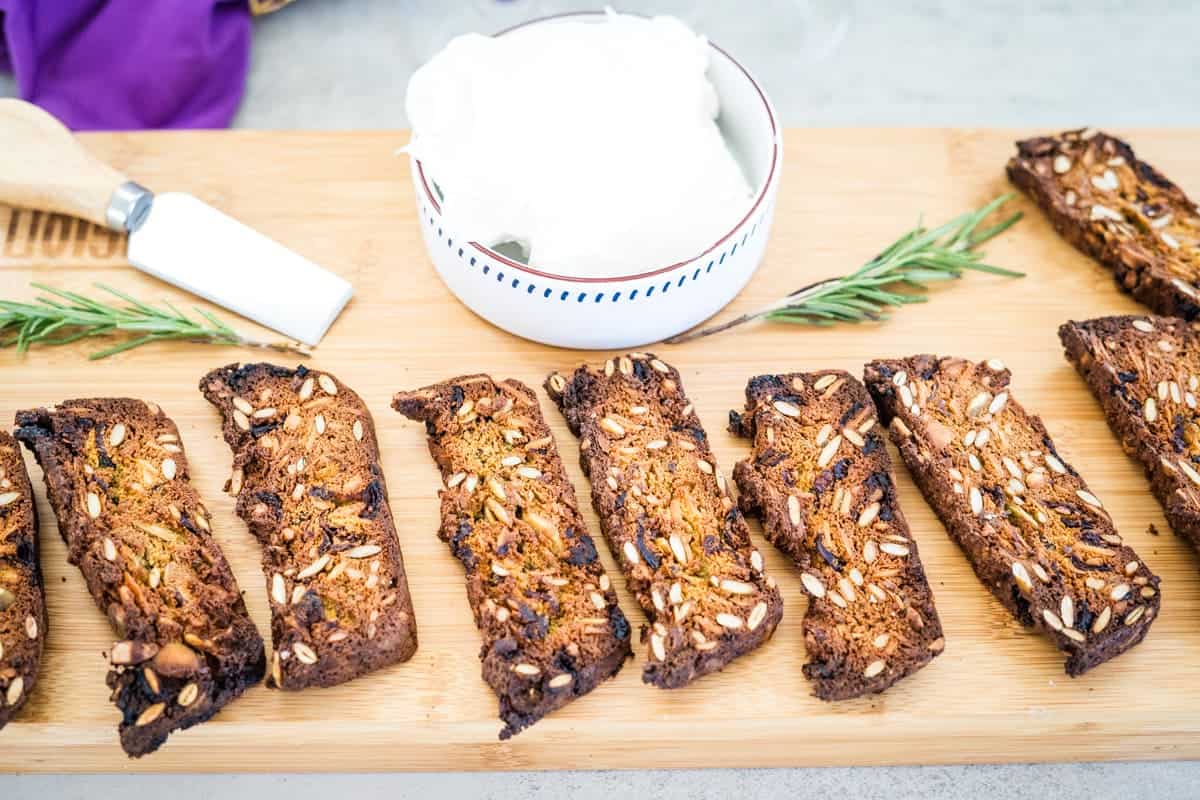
(74, 316)
(919, 257)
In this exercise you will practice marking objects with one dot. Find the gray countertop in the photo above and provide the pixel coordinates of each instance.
(1032, 65)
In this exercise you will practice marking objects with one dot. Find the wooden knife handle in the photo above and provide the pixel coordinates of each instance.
(43, 166)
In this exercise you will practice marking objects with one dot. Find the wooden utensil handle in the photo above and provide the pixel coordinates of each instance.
(43, 166)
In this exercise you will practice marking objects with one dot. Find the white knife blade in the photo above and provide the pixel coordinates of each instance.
(194, 246)
(174, 237)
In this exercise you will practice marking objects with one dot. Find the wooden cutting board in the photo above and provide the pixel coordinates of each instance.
(344, 200)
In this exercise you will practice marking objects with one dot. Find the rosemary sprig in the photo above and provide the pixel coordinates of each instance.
(66, 317)
(917, 258)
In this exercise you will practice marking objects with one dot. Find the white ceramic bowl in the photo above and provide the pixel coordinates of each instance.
(653, 302)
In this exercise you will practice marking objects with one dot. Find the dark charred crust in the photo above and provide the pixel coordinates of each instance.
(1120, 211)
(310, 488)
(1034, 533)
(1157, 361)
(667, 517)
(826, 498)
(552, 630)
(116, 477)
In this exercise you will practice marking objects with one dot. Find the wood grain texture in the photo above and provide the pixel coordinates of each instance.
(997, 694)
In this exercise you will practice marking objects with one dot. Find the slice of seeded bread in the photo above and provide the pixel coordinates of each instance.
(308, 483)
(1120, 211)
(666, 513)
(1037, 537)
(22, 597)
(821, 480)
(1145, 371)
(551, 626)
(117, 479)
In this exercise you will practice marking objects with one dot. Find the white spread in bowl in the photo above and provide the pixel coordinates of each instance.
(592, 145)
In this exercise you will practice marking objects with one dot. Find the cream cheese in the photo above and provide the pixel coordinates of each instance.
(591, 144)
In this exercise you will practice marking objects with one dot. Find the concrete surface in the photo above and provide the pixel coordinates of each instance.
(344, 64)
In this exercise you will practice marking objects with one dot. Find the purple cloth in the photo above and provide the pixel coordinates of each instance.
(129, 64)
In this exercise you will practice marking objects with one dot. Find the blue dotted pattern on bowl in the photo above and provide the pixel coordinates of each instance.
(470, 260)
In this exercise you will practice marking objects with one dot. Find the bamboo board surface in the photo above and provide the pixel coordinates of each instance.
(343, 199)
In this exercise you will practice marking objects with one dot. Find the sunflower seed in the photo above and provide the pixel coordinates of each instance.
(813, 584)
(1021, 576)
(677, 549)
(1067, 606)
(829, 451)
(631, 553)
(313, 568)
(612, 427)
(825, 381)
(894, 549)
(1134, 615)
(868, 516)
(785, 408)
(116, 434)
(793, 507)
(997, 403)
(150, 714)
(168, 468)
(110, 549)
(730, 621)
(93, 503)
(978, 403)
(357, 430)
(278, 589)
(304, 653)
(364, 551)
(188, 695)
(15, 688)
(736, 587)
(1187, 469)
(976, 500)
(874, 668)
(319, 424)
(1150, 410)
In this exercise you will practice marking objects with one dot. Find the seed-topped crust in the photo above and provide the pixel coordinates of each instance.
(22, 598)
(308, 484)
(821, 480)
(1118, 210)
(1036, 535)
(117, 478)
(666, 513)
(1145, 371)
(552, 629)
